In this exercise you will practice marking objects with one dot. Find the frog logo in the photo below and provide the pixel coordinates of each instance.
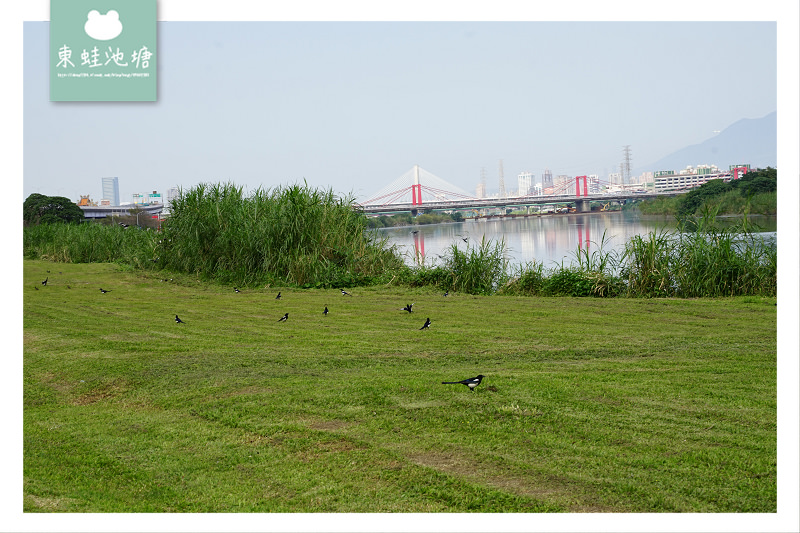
(103, 27)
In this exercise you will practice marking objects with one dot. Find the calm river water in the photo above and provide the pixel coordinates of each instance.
(547, 239)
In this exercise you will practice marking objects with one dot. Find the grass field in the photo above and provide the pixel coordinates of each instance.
(588, 405)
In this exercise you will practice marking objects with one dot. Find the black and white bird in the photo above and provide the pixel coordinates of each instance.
(407, 307)
(278, 297)
(284, 318)
(345, 293)
(178, 320)
(104, 291)
(45, 280)
(471, 382)
(446, 293)
(325, 312)
(427, 324)
(236, 290)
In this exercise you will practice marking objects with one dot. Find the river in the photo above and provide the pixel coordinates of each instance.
(546, 239)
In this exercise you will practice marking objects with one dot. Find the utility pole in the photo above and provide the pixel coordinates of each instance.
(502, 181)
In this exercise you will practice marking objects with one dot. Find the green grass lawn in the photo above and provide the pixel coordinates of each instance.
(588, 405)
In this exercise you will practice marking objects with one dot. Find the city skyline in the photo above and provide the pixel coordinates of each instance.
(351, 106)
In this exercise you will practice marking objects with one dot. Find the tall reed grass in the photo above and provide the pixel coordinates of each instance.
(293, 234)
(701, 259)
(89, 243)
(480, 269)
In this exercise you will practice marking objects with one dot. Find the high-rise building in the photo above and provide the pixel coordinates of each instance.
(172, 193)
(111, 190)
(547, 179)
(524, 182)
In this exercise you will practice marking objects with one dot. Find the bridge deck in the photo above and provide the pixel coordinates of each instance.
(486, 203)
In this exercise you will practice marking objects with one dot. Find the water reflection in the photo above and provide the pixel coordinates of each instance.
(547, 239)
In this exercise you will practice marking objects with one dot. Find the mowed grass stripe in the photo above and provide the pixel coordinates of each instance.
(588, 405)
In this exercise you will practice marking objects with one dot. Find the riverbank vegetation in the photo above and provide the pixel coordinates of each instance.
(406, 219)
(755, 193)
(585, 406)
(300, 237)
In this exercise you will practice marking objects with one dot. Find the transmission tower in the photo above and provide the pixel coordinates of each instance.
(481, 190)
(626, 152)
(502, 181)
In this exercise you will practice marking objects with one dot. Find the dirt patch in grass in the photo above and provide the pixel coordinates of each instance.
(559, 492)
(43, 504)
(329, 425)
(103, 391)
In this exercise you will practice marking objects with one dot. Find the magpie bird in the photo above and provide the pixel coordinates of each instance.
(471, 382)
(284, 318)
(178, 320)
(278, 297)
(446, 293)
(104, 291)
(325, 312)
(345, 293)
(236, 290)
(427, 324)
(45, 280)
(407, 307)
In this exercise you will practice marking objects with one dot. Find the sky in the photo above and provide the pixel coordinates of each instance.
(352, 106)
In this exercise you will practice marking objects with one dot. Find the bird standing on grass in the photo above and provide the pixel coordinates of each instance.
(45, 280)
(236, 290)
(178, 320)
(407, 308)
(284, 318)
(104, 291)
(325, 312)
(345, 293)
(471, 382)
(278, 297)
(427, 324)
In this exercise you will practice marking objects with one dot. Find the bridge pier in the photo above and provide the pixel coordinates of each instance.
(582, 206)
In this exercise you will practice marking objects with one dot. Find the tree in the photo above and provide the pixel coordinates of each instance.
(694, 199)
(41, 209)
(757, 181)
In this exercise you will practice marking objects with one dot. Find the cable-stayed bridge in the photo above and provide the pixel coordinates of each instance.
(418, 190)
(417, 187)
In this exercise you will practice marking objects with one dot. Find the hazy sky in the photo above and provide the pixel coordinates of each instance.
(354, 105)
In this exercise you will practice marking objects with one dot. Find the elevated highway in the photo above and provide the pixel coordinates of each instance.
(582, 203)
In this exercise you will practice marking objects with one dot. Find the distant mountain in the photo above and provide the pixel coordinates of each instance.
(753, 141)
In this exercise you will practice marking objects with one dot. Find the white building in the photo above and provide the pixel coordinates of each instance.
(111, 190)
(524, 182)
(684, 180)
